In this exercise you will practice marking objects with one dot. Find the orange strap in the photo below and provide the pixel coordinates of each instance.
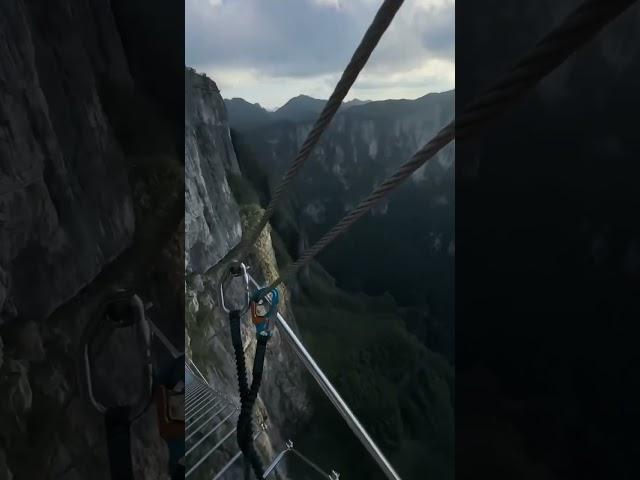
(255, 318)
(170, 428)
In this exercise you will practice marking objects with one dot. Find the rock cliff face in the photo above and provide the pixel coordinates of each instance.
(363, 146)
(70, 199)
(212, 216)
(65, 203)
(214, 226)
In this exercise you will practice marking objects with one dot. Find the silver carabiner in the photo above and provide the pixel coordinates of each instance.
(235, 270)
(142, 325)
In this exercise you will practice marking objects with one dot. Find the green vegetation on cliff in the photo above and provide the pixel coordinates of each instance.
(401, 391)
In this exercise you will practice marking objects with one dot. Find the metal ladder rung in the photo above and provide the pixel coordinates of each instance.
(189, 394)
(215, 447)
(205, 422)
(202, 407)
(198, 395)
(210, 432)
(234, 459)
(192, 407)
(194, 422)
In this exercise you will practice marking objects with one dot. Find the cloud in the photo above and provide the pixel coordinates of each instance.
(251, 45)
(330, 3)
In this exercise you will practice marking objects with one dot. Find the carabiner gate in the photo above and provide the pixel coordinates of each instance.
(237, 269)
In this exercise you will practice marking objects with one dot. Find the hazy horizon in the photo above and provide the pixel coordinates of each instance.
(225, 98)
(268, 51)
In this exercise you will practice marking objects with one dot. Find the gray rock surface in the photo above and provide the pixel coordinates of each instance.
(65, 204)
(66, 211)
(5, 473)
(212, 221)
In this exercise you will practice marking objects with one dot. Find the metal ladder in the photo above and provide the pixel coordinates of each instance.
(210, 423)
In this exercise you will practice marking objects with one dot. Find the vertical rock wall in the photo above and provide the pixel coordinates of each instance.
(213, 228)
(65, 204)
(211, 215)
(67, 211)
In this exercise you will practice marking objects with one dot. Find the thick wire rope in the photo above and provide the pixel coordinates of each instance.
(577, 28)
(378, 26)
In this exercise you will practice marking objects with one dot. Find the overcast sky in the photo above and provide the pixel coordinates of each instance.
(268, 51)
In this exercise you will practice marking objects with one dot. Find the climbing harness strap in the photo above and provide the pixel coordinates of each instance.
(248, 396)
(169, 395)
(236, 340)
(118, 426)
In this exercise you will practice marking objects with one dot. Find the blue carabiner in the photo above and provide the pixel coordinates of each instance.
(262, 321)
(261, 294)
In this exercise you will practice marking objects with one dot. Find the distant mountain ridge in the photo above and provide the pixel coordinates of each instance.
(364, 144)
(250, 115)
(244, 115)
(300, 108)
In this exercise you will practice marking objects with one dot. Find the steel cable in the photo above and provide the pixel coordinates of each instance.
(576, 29)
(378, 26)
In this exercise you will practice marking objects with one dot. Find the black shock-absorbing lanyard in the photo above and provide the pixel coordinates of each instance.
(248, 395)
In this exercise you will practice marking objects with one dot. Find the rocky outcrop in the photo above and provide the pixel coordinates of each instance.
(211, 216)
(215, 221)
